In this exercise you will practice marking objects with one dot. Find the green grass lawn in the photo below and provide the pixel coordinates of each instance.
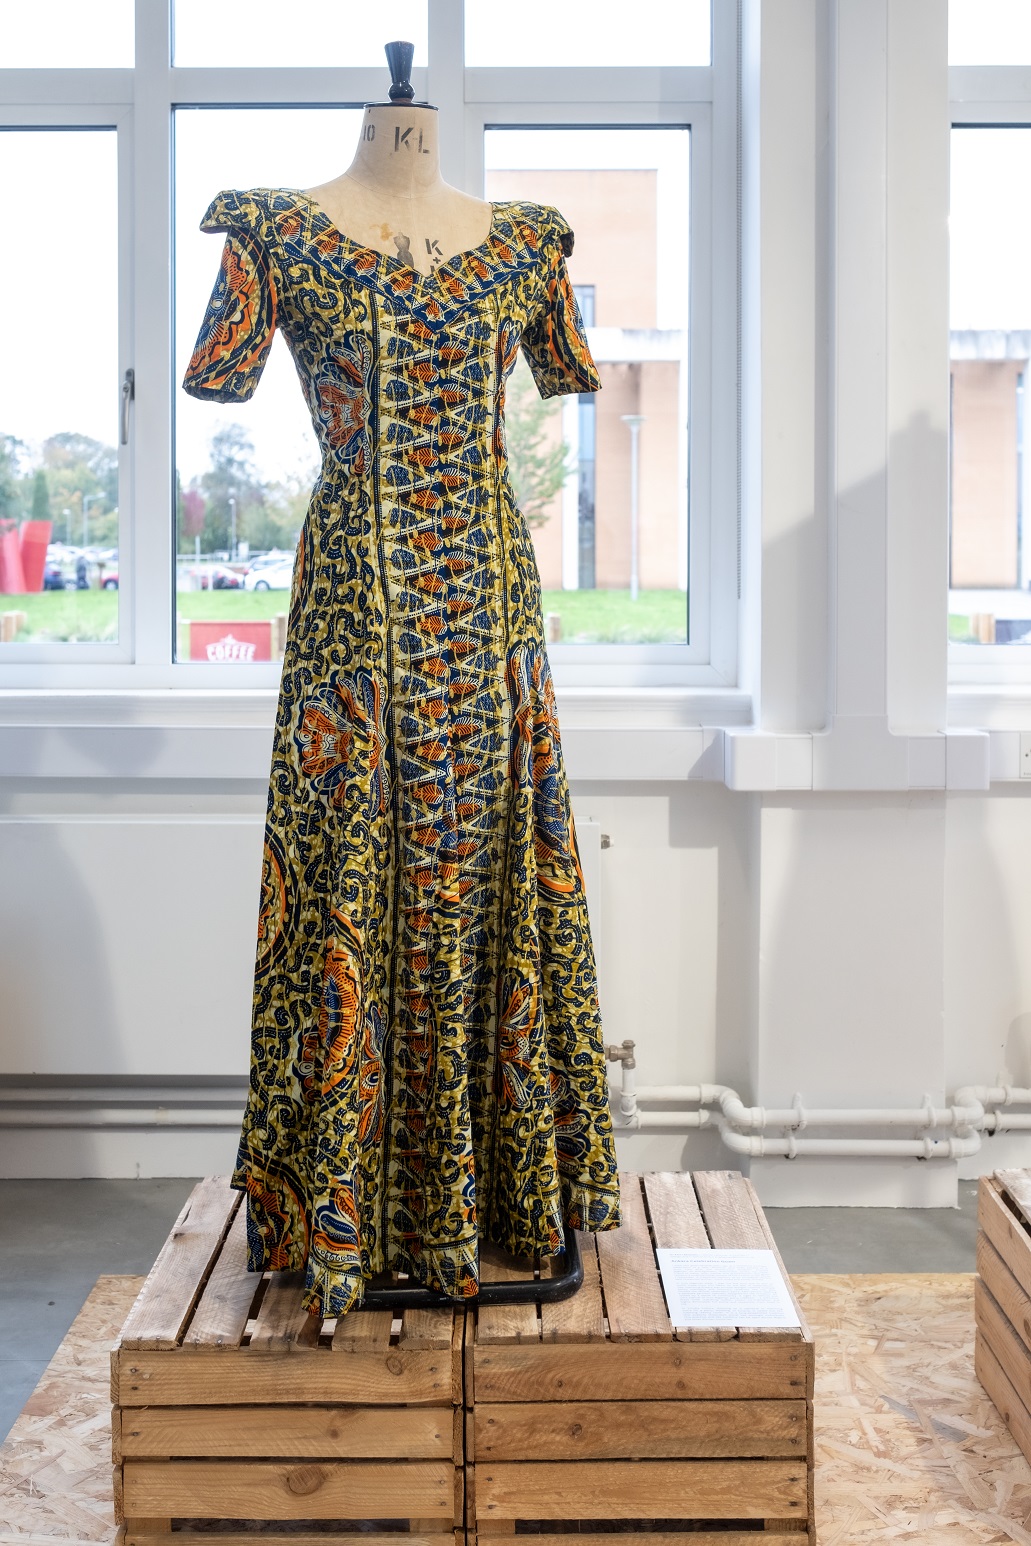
(66, 616)
(610, 617)
(587, 616)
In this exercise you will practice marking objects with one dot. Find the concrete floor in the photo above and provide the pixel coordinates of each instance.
(60, 1236)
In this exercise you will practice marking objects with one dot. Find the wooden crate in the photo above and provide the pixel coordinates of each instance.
(1002, 1298)
(231, 1404)
(596, 1410)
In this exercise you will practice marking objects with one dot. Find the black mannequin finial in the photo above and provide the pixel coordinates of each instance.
(399, 58)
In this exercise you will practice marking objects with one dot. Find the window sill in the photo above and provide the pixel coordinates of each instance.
(649, 734)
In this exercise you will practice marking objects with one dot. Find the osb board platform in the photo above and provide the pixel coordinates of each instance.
(909, 1448)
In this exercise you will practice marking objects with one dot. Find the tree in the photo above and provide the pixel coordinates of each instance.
(538, 457)
(232, 475)
(12, 452)
(40, 496)
(78, 468)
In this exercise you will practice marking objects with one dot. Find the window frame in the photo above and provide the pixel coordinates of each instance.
(142, 102)
(988, 97)
(114, 118)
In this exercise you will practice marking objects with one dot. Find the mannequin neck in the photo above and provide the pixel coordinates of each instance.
(398, 151)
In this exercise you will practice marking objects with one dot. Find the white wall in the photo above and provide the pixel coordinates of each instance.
(811, 885)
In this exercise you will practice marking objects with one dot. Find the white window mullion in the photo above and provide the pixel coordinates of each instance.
(715, 184)
(218, 85)
(151, 417)
(445, 88)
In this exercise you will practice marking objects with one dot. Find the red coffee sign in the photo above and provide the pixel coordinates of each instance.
(231, 641)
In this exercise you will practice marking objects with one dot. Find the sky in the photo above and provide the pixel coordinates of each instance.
(591, 32)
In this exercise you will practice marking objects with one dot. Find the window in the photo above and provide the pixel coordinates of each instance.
(244, 470)
(61, 463)
(990, 346)
(612, 537)
(66, 34)
(210, 32)
(592, 32)
(183, 513)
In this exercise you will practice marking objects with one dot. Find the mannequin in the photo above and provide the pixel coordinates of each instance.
(392, 197)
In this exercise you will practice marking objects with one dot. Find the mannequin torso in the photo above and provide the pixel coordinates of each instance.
(393, 198)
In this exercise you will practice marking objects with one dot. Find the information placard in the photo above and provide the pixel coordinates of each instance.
(724, 1288)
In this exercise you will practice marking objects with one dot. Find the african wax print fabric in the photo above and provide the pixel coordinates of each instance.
(427, 1068)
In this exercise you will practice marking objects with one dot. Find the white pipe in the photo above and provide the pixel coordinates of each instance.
(916, 1148)
(742, 1128)
(993, 1095)
(121, 1116)
(755, 1118)
(628, 1093)
(1006, 1122)
(653, 1121)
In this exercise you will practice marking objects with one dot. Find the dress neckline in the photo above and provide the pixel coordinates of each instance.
(388, 257)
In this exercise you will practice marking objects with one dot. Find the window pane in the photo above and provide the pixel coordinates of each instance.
(588, 32)
(263, 33)
(990, 538)
(245, 470)
(989, 32)
(59, 401)
(610, 535)
(64, 34)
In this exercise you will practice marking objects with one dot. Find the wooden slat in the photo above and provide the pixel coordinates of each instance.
(1017, 1185)
(629, 1274)
(764, 1224)
(675, 1214)
(1007, 1292)
(610, 1371)
(505, 1322)
(173, 1285)
(363, 1331)
(639, 1430)
(224, 1306)
(677, 1221)
(581, 1317)
(258, 1375)
(1004, 1231)
(310, 1432)
(646, 1489)
(584, 1538)
(256, 1489)
(281, 1321)
(427, 1328)
(442, 1536)
(730, 1218)
(457, 1369)
(1003, 1341)
(1010, 1407)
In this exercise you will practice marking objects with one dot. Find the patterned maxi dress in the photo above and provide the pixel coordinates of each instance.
(427, 1067)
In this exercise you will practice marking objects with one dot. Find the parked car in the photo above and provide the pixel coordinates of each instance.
(223, 578)
(53, 579)
(110, 580)
(274, 577)
(273, 559)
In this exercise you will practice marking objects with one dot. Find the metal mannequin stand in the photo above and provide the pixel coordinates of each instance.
(402, 1296)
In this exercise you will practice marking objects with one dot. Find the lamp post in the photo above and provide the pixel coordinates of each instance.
(232, 527)
(87, 500)
(634, 422)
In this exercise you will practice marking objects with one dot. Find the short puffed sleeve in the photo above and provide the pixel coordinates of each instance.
(554, 341)
(236, 334)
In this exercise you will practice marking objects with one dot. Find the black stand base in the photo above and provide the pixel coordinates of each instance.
(402, 1296)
